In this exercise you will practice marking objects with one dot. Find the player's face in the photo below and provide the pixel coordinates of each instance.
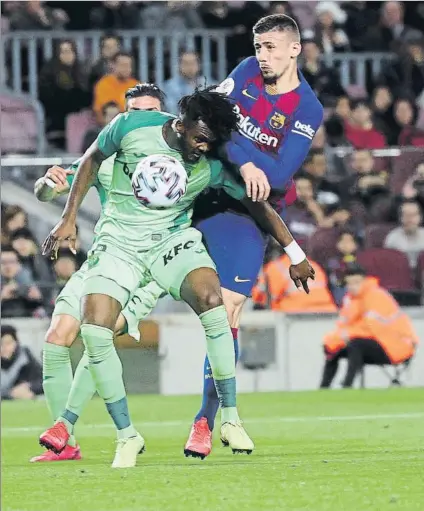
(148, 103)
(197, 140)
(275, 52)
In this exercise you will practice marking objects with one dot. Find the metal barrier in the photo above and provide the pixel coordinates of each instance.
(23, 53)
(355, 67)
(29, 50)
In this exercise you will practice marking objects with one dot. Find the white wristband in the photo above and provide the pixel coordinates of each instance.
(296, 254)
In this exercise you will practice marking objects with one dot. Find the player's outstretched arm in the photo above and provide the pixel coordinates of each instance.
(84, 178)
(265, 215)
(53, 184)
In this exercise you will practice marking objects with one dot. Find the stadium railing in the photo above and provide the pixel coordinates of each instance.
(356, 68)
(22, 52)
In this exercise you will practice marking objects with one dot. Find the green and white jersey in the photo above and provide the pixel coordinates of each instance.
(133, 136)
(102, 183)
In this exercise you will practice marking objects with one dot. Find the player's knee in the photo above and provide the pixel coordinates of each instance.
(209, 299)
(98, 343)
(60, 335)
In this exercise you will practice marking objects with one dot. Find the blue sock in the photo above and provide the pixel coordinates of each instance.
(210, 401)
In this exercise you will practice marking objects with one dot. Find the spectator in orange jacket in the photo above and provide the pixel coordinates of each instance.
(371, 329)
(276, 289)
(111, 88)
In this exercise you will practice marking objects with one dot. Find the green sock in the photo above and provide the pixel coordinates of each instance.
(83, 387)
(220, 349)
(57, 379)
(106, 369)
(82, 390)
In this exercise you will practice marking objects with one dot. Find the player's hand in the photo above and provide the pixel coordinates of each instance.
(55, 177)
(300, 273)
(257, 185)
(64, 230)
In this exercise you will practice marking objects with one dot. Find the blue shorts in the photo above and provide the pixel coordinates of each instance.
(237, 247)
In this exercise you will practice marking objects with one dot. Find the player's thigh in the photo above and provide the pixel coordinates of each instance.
(237, 247)
(139, 307)
(69, 299)
(109, 282)
(63, 330)
(179, 255)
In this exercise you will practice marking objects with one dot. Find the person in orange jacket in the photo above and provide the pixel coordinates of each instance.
(277, 290)
(372, 329)
(112, 87)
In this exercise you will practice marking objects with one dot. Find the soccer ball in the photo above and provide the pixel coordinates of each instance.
(159, 181)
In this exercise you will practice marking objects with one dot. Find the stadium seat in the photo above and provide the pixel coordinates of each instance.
(322, 245)
(76, 127)
(391, 267)
(375, 234)
(19, 126)
(403, 167)
(420, 120)
(420, 271)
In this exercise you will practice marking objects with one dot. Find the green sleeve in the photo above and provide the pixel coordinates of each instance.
(109, 139)
(223, 178)
(74, 167)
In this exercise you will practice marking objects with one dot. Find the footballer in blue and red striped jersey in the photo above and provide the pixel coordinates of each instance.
(279, 115)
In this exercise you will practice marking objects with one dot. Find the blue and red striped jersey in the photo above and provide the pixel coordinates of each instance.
(275, 131)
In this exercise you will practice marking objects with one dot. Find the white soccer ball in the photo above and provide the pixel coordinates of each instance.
(159, 181)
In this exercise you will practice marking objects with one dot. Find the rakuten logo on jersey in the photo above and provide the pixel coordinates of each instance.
(252, 132)
(303, 129)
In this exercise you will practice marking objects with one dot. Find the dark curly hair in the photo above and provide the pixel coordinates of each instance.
(213, 108)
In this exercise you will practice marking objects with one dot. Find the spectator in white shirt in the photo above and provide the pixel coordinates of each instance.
(409, 236)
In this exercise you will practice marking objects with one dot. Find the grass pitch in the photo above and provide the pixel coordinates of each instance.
(319, 451)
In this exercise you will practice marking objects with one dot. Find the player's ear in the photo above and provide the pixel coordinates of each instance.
(295, 49)
(179, 127)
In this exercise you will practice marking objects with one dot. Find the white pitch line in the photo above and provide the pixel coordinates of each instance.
(261, 420)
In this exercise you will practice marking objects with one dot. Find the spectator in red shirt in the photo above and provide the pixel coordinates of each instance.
(360, 130)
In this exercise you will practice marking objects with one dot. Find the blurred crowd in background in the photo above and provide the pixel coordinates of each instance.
(352, 199)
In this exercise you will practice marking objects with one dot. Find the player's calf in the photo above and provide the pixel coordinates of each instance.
(57, 370)
(201, 290)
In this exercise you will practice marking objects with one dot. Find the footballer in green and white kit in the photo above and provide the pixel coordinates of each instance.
(136, 245)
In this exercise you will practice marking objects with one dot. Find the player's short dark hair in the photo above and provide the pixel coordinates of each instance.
(276, 22)
(146, 89)
(122, 54)
(9, 330)
(213, 108)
